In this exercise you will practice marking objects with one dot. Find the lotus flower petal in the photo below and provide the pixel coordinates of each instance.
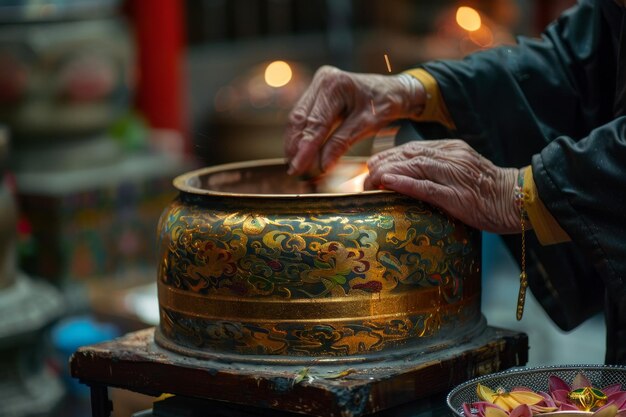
(609, 410)
(621, 413)
(537, 409)
(485, 393)
(617, 398)
(555, 384)
(608, 390)
(506, 402)
(580, 381)
(467, 409)
(481, 406)
(522, 401)
(560, 396)
(496, 412)
(549, 401)
(526, 397)
(521, 411)
(568, 407)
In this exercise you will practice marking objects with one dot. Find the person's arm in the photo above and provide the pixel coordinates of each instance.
(543, 98)
(434, 107)
(583, 184)
(511, 101)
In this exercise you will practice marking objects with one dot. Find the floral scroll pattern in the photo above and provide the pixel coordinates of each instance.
(310, 250)
(320, 255)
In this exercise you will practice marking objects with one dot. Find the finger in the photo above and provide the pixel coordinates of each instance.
(297, 121)
(369, 185)
(338, 143)
(418, 167)
(312, 119)
(305, 133)
(404, 153)
(309, 144)
(425, 190)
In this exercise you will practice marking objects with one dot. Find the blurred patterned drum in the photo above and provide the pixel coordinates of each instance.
(258, 265)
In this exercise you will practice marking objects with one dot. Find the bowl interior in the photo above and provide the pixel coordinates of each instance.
(269, 177)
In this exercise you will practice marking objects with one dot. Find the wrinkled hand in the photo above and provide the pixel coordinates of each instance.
(339, 108)
(451, 175)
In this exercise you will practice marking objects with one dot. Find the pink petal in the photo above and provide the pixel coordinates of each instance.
(611, 389)
(480, 406)
(496, 412)
(521, 411)
(488, 404)
(567, 407)
(560, 396)
(555, 383)
(580, 381)
(617, 398)
(467, 410)
(547, 399)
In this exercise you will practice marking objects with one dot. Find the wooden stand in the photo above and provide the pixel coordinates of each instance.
(136, 363)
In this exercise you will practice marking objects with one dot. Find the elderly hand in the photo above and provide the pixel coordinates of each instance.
(451, 175)
(339, 108)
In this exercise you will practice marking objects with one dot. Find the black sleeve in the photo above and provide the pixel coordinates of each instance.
(550, 100)
(510, 102)
(583, 184)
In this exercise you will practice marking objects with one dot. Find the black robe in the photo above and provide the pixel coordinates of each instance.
(558, 101)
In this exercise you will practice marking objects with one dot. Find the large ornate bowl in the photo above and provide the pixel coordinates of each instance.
(255, 263)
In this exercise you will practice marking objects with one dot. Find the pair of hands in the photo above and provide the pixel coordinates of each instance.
(341, 108)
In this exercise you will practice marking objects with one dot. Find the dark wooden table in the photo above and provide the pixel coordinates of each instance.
(136, 363)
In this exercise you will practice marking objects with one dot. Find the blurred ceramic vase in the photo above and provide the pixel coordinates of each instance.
(66, 68)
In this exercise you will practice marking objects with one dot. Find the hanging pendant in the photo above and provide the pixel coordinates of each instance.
(521, 298)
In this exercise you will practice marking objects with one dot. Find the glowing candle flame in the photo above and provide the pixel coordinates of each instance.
(468, 18)
(354, 184)
(278, 74)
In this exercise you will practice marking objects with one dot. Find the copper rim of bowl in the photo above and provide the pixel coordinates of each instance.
(183, 182)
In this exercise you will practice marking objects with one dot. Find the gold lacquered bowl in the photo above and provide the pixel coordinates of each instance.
(257, 264)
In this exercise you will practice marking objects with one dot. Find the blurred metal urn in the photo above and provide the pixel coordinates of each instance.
(256, 265)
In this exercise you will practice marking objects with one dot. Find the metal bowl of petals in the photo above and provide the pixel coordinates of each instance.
(563, 391)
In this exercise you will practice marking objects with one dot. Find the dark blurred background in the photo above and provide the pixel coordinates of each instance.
(103, 102)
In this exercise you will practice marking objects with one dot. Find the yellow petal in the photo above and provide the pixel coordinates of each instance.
(508, 400)
(526, 397)
(609, 411)
(494, 412)
(485, 393)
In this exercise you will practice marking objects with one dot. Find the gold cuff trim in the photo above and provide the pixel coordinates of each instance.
(303, 310)
(546, 227)
(435, 109)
